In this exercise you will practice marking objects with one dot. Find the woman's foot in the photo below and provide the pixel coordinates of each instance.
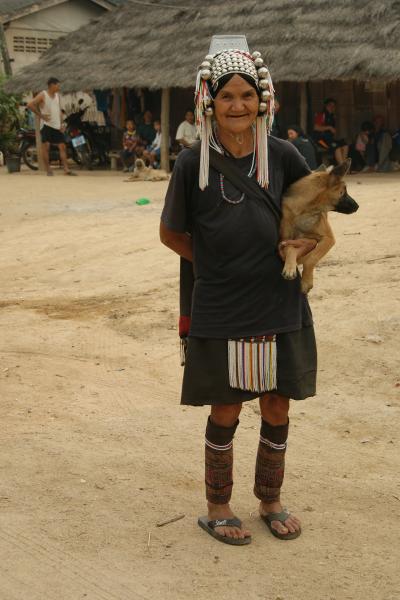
(219, 512)
(290, 525)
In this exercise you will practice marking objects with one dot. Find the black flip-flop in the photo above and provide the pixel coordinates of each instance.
(209, 526)
(281, 516)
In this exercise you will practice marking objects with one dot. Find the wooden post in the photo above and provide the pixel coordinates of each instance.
(303, 106)
(165, 102)
(39, 144)
(4, 52)
(142, 100)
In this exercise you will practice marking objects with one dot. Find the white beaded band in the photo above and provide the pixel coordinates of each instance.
(216, 447)
(272, 444)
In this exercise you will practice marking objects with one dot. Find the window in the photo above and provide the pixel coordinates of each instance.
(31, 44)
(43, 44)
(19, 44)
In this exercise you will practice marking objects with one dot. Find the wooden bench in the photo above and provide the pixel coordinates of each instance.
(114, 158)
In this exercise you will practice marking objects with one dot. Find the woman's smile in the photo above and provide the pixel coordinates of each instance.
(236, 107)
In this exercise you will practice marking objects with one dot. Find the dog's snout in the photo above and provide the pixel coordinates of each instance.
(346, 205)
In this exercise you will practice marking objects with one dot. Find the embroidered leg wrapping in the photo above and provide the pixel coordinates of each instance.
(270, 464)
(219, 462)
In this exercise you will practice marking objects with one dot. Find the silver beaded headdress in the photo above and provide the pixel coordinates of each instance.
(212, 69)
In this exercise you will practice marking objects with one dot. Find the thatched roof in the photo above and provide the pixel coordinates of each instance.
(158, 43)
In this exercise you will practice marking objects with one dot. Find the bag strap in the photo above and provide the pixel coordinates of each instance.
(245, 184)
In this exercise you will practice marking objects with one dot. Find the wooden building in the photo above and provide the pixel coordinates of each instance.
(348, 49)
(31, 27)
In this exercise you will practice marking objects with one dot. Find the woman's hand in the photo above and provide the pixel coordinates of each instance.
(303, 246)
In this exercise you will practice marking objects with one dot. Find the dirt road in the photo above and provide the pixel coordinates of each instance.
(95, 449)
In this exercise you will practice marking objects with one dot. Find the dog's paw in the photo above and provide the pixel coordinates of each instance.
(289, 272)
(306, 286)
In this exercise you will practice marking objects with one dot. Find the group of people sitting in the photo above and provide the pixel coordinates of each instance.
(144, 141)
(374, 148)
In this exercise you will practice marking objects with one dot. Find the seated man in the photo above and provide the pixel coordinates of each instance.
(146, 130)
(132, 146)
(325, 131)
(379, 147)
(186, 133)
(303, 145)
(358, 150)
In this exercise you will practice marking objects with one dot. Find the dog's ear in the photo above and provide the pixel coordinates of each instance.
(342, 169)
(321, 169)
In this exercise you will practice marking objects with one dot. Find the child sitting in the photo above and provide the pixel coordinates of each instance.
(132, 146)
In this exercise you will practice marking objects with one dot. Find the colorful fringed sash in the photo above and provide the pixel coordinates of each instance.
(252, 363)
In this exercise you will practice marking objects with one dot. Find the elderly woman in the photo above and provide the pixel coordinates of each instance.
(251, 333)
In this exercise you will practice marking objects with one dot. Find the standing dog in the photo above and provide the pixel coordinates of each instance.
(304, 215)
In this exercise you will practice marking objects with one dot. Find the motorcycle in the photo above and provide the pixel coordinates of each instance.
(75, 134)
(27, 149)
(89, 140)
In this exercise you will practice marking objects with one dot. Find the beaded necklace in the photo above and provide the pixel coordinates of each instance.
(221, 177)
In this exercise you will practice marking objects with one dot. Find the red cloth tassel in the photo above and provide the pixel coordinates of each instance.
(184, 326)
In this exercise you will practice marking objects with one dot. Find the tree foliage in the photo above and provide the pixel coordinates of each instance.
(9, 118)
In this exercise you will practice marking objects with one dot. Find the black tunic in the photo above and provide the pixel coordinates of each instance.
(239, 290)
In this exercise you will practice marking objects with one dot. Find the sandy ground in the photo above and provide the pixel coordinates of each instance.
(95, 449)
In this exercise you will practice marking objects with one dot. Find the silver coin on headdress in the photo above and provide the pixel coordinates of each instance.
(262, 72)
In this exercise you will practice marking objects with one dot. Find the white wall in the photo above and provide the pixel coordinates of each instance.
(28, 36)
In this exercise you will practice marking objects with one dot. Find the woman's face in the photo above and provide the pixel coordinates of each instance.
(236, 106)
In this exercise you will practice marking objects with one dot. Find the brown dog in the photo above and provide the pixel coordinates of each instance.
(143, 173)
(304, 215)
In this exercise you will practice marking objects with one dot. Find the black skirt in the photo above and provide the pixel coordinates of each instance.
(206, 375)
